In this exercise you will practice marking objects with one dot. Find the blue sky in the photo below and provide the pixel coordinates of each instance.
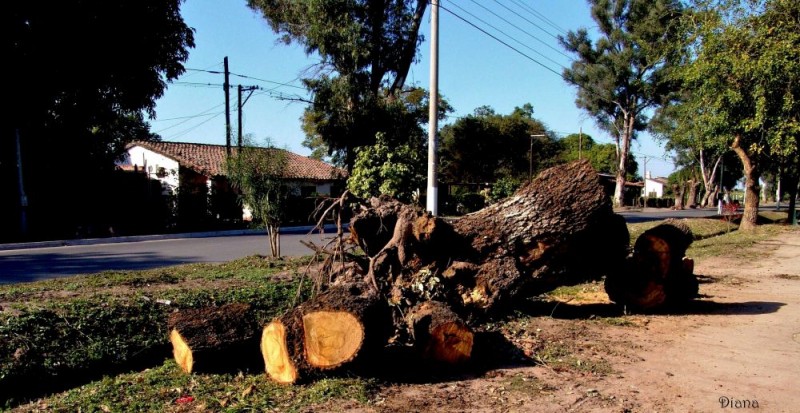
(475, 70)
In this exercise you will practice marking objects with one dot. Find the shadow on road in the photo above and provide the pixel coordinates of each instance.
(25, 268)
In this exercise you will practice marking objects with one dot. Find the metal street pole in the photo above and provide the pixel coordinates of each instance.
(433, 113)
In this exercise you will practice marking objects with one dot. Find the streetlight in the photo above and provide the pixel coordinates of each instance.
(530, 157)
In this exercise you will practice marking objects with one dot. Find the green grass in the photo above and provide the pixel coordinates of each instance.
(702, 228)
(734, 244)
(167, 388)
(119, 317)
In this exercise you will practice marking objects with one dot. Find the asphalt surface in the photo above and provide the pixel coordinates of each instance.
(39, 261)
(33, 264)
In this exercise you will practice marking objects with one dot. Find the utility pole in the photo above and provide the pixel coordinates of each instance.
(240, 105)
(530, 157)
(226, 86)
(433, 113)
(23, 199)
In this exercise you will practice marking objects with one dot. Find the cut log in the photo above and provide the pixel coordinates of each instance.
(657, 273)
(439, 333)
(208, 339)
(329, 331)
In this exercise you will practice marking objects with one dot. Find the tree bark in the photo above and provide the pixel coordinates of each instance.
(751, 188)
(214, 338)
(693, 187)
(439, 333)
(622, 165)
(657, 273)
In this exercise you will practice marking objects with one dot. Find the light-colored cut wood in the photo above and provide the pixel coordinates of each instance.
(276, 355)
(331, 338)
(181, 351)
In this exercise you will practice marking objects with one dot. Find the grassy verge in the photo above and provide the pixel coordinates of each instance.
(66, 331)
(107, 322)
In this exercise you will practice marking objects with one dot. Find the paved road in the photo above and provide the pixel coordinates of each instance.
(34, 264)
(42, 263)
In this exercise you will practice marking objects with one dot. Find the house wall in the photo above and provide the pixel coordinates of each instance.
(651, 186)
(157, 167)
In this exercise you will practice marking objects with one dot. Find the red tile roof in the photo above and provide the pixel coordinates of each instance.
(210, 160)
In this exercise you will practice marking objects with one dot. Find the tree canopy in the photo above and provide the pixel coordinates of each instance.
(742, 84)
(82, 74)
(603, 156)
(487, 146)
(623, 74)
(366, 48)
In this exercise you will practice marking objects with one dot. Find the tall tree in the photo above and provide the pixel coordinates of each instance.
(744, 81)
(487, 146)
(366, 48)
(623, 74)
(81, 74)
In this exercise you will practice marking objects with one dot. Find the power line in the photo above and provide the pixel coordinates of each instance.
(528, 20)
(280, 84)
(181, 133)
(501, 41)
(203, 113)
(522, 30)
(538, 15)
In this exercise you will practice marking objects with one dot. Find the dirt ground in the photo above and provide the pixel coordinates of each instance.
(736, 348)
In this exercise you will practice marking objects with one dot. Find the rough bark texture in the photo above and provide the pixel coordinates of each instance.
(214, 338)
(439, 333)
(751, 189)
(329, 331)
(541, 237)
(657, 273)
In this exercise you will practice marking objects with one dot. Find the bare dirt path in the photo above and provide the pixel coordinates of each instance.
(735, 349)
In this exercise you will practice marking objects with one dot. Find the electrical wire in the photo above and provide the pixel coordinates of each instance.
(183, 132)
(523, 30)
(538, 15)
(189, 118)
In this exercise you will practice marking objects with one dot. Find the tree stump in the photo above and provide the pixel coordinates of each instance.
(214, 338)
(329, 331)
(657, 273)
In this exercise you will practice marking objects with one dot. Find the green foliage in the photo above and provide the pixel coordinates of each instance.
(368, 47)
(382, 169)
(258, 173)
(78, 116)
(623, 74)
(504, 188)
(603, 157)
(485, 147)
(741, 85)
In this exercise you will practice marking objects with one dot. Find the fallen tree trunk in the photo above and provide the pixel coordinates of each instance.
(658, 272)
(329, 331)
(558, 229)
(214, 338)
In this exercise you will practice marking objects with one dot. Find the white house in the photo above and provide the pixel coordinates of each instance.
(653, 187)
(195, 174)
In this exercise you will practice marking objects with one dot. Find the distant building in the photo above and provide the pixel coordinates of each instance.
(194, 175)
(654, 187)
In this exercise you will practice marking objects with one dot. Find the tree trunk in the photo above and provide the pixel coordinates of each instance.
(657, 273)
(439, 333)
(679, 191)
(329, 331)
(751, 189)
(709, 180)
(693, 187)
(792, 181)
(214, 338)
(622, 165)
